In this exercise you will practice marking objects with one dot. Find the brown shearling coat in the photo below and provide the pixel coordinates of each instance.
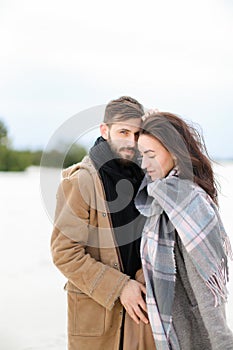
(84, 250)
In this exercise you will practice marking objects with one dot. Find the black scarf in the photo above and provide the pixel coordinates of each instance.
(121, 182)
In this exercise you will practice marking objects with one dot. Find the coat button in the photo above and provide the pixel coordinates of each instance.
(104, 214)
(116, 264)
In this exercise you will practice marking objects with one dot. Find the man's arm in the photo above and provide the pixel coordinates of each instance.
(70, 238)
(133, 301)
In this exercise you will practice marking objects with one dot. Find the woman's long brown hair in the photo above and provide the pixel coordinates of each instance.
(185, 143)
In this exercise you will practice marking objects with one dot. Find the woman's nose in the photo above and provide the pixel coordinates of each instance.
(144, 163)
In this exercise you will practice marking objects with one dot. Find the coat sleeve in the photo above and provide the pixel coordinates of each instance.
(214, 318)
(71, 237)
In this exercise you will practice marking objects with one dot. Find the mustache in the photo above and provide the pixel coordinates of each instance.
(127, 148)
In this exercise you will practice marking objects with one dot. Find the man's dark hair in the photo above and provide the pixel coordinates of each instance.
(121, 109)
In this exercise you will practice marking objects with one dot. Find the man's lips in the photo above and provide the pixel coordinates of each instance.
(127, 150)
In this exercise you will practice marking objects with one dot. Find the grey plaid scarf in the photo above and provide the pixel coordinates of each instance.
(175, 206)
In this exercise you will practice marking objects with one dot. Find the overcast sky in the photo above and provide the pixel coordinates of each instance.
(58, 58)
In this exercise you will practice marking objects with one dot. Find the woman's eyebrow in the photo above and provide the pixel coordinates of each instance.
(149, 150)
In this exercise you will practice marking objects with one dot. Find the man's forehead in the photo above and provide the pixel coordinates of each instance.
(129, 124)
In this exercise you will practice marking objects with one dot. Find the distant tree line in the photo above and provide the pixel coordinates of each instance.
(19, 160)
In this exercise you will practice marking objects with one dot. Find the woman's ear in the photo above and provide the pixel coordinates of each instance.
(104, 130)
(174, 160)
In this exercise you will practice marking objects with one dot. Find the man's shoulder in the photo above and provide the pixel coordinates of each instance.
(82, 177)
(81, 172)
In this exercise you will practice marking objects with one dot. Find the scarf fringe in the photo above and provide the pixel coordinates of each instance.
(217, 283)
(227, 247)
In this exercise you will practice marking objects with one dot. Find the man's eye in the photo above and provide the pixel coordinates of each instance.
(124, 132)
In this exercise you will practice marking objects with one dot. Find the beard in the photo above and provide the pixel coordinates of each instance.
(118, 151)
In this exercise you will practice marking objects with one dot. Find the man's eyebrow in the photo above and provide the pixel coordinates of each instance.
(124, 129)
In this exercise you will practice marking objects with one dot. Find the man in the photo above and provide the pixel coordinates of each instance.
(96, 236)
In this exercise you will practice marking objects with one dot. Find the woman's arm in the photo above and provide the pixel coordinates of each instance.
(214, 318)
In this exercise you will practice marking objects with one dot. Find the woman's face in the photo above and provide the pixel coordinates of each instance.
(156, 159)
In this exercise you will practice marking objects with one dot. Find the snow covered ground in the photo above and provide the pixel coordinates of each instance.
(32, 302)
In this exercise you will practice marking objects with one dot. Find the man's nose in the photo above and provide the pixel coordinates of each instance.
(131, 140)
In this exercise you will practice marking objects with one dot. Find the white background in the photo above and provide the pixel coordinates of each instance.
(61, 57)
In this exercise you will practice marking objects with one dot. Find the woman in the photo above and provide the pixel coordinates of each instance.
(184, 246)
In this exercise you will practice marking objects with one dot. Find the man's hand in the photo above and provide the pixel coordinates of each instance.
(132, 300)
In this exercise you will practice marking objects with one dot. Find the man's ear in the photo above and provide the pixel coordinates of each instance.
(104, 130)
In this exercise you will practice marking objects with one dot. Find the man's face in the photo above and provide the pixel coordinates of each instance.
(122, 137)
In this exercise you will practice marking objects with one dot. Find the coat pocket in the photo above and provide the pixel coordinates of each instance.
(85, 316)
